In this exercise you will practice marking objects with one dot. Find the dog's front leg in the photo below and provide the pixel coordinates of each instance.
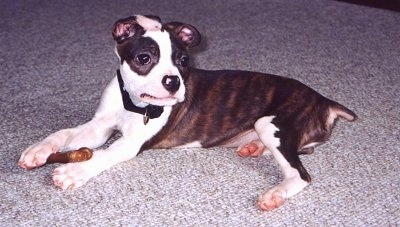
(73, 175)
(91, 134)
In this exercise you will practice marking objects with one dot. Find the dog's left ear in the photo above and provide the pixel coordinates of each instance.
(186, 33)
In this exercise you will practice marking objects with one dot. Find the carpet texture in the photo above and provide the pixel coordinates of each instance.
(57, 57)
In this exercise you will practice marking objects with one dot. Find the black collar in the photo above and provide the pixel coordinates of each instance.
(148, 112)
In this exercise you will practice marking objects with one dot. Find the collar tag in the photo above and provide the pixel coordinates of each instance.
(145, 118)
(148, 112)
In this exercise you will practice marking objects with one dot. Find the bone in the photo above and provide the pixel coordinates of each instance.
(80, 155)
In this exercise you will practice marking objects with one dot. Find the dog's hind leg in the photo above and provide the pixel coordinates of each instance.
(295, 177)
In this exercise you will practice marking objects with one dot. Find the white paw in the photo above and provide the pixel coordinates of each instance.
(36, 155)
(73, 175)
(271, 199)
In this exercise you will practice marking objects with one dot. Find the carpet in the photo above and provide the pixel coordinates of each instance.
(58, 56)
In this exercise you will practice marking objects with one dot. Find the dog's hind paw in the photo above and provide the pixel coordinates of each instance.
(270, 200)
(253, 149)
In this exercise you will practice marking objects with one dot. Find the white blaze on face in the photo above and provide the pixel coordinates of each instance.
(148, 24)
(165, 65)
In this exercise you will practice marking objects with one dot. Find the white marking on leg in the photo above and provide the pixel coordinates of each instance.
(267, 130)
(292, 182)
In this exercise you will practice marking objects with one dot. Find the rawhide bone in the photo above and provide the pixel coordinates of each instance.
(80, 155)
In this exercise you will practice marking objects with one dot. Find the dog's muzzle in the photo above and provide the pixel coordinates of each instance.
(171, 83)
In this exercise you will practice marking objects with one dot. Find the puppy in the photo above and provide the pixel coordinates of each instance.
(157, 100)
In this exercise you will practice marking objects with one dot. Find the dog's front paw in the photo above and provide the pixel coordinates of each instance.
(36, 155)
(73, 175)
(270, 200)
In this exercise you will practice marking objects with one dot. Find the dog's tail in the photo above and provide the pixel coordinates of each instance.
(342, 111)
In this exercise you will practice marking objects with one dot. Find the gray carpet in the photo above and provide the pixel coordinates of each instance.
(57, 56)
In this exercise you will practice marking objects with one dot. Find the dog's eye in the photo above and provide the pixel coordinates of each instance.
(184, 61)
(144, 59)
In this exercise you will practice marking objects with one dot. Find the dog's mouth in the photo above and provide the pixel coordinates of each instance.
(159, 101)
(147, 96)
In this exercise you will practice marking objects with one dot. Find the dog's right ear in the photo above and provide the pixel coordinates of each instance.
(125, 28)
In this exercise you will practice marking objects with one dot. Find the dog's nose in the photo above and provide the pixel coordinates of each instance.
(171, 83)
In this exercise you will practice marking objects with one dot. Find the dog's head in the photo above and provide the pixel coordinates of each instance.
(153, 58)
